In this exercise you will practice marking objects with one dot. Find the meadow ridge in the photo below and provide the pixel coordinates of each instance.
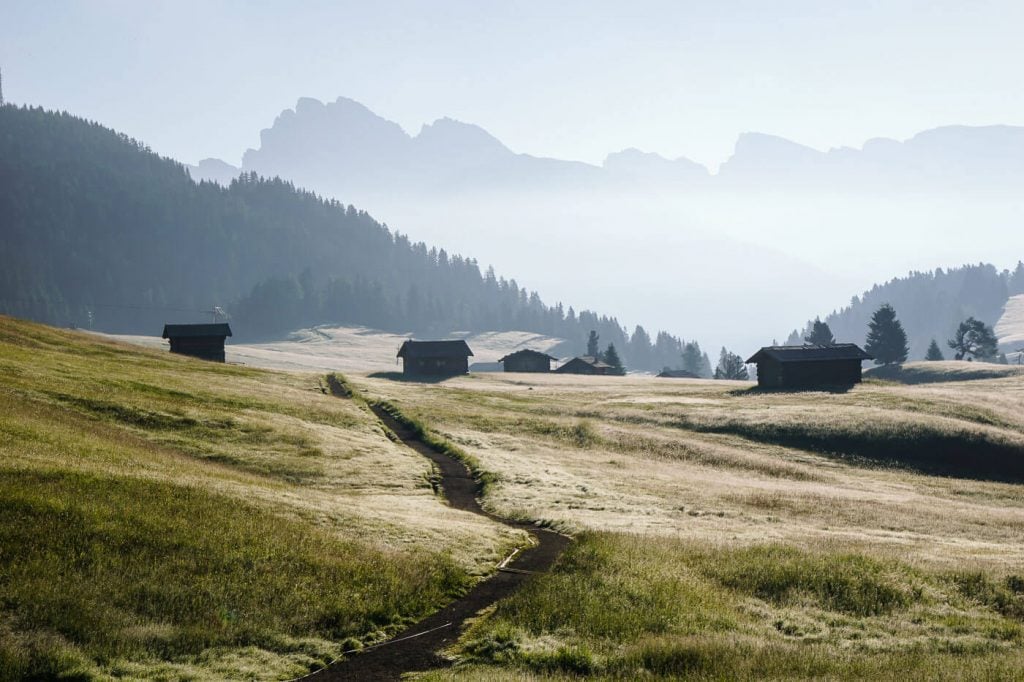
(729, 533)
(720, 531)
(167, 518)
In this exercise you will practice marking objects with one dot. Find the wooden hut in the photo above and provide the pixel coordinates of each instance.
(527, 361)
(204, 341)
(435, 358)
(586, 364)
(809, 366)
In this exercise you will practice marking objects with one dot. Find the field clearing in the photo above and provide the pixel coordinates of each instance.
(167, 517)
(729, 533)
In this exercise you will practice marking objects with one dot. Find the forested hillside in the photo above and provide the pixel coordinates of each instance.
(100, 232)
(931, 304)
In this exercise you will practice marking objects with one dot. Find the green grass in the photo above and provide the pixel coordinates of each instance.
(154, 521)
(116, 570)
(625, 607)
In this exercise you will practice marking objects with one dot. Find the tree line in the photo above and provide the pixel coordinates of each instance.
(101, 232)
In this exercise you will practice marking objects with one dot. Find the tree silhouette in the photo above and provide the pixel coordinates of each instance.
(820, 334)
(731, 366)
(886, 339)
(934, 352)
(611, 357)
(593, 349)
(974, 339)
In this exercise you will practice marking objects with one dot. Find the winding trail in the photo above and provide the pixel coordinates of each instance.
(417, 647)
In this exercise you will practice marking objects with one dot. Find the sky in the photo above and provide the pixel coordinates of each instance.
(571, 79)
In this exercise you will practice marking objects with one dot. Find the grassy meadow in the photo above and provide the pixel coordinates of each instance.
(729, 533)
(167, 518)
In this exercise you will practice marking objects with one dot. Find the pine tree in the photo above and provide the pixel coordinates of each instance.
(731, 366)
(886, 339)
(593, 349)
(974, 339)
(820, 334)
(934, 353)
(693, 358)
(611, 357)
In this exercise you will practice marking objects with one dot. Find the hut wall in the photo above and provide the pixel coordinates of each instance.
(436, 366)
(204, 347)
(528, 363)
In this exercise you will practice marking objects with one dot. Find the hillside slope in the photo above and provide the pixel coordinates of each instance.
(167, 518)
(930, 305)
(102, 233)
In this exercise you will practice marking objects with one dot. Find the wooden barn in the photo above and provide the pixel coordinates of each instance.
(586, 364)
(527, 361)
(204, 341)
(809, 366)
(677, 374)
(435, 358)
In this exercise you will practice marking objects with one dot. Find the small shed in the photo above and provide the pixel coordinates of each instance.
(435, 358)
(204, 341)
(585, 364)
(809, 366)
(677, 374)
(527, 361)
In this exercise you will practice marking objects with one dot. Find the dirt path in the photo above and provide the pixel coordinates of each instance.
(412, 651)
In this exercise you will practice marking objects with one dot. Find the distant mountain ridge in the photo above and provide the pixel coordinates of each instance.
(343, 146)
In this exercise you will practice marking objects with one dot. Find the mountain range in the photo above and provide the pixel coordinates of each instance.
(342, 146)
(780, 232)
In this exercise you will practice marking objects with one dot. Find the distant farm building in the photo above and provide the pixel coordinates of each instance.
(435, 358)
(809, 366)
(677, 374)
(527, 361)
(586, 364)
(204, 341)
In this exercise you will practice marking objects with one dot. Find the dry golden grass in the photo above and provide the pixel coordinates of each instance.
(706, 460)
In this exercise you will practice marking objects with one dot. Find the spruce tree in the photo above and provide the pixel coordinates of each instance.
(886, 339)
(611, 357)
(820, 334)
(693, 359)
(974, 339)
(934, 353)
(731, 366)
(593, 349)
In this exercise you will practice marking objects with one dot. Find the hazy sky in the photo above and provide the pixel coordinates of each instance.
(566, 79)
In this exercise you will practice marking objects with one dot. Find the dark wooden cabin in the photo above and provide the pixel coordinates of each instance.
(586, 364)
(435, 358)
(809, 366)
(204, 341)
(677, 374)
(527, 361)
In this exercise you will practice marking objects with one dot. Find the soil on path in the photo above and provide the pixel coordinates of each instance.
(416, 648)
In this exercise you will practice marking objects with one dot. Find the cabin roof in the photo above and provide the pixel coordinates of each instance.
(434, 349)
(809, 353)
(678, 374)
(194, 330)
(526, 352)
(590, 360)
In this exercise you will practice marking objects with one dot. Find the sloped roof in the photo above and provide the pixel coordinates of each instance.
(678, 374)
(808, 353)
(434, 349)
(526, 351)
(588, 359)
(192, 330)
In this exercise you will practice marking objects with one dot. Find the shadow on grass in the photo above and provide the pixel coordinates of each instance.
(414, 378)
(958, 455)
(760, 390)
